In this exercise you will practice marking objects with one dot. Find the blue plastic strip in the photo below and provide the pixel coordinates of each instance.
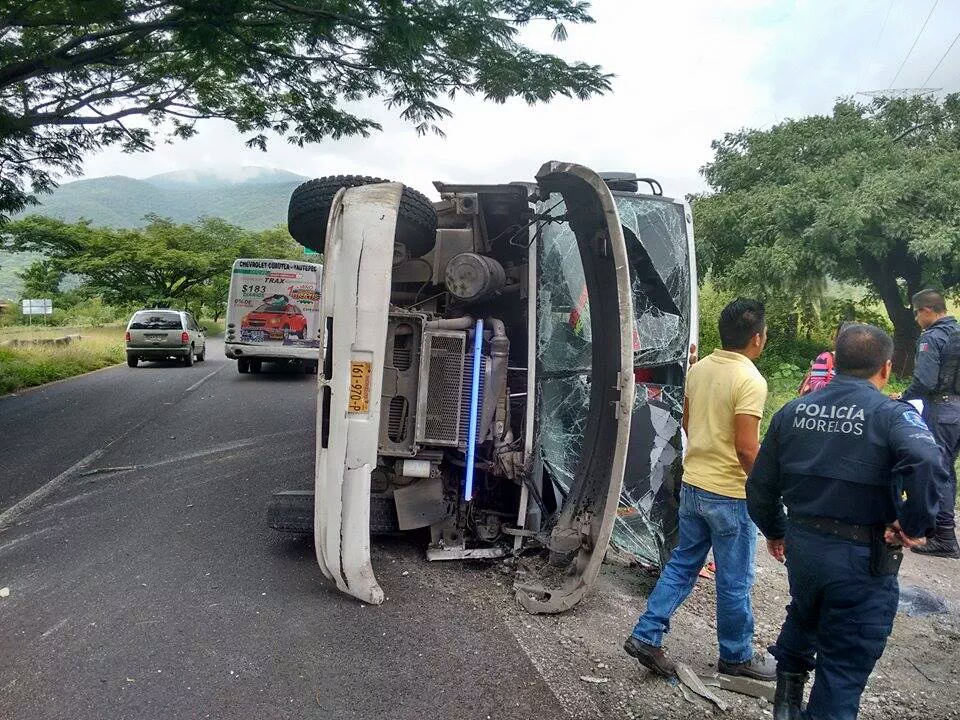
(474, 402)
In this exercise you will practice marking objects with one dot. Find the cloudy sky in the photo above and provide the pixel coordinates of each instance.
(687, 72)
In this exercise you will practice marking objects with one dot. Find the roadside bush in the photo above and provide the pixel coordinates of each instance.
(92, 312)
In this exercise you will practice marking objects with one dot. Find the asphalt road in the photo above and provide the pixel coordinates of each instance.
(145, 584)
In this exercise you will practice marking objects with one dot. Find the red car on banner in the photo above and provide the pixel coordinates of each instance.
(276, 317)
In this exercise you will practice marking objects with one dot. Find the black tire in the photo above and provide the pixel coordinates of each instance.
(133, 360)
(188, 360)
(243, 366)
(310, 207)
(383, 515)
(292, 511)
(202, 355)
(256, 366)
(310, 367)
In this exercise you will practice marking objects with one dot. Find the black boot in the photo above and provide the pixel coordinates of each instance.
(942, 544)
(788, 699)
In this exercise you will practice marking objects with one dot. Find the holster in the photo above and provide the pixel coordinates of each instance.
(884, 559)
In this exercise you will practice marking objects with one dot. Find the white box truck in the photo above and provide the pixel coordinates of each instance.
(273, 312)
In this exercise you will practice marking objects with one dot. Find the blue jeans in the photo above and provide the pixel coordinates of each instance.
(722, 522)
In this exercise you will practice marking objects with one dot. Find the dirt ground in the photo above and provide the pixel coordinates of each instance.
(918, 677)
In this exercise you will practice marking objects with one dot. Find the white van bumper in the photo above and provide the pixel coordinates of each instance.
(353, 325)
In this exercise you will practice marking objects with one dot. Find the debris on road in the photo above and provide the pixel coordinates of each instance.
(741, 686)
(689, 679)
(4, 592)
(595, 680)
(916, 601)
(105, 470)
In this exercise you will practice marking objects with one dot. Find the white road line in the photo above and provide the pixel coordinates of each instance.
(55, 628)
(202, 380)
(42, 492)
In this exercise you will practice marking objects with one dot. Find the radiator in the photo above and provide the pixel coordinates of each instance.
(443, 401)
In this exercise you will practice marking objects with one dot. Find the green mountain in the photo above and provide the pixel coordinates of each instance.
(254, 198)
(251, 197)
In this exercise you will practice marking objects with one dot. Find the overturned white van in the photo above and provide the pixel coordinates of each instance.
(505, 367)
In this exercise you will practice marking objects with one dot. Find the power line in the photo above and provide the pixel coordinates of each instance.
(876, 43)
(942, 58)
(915, 41)
(883, 25)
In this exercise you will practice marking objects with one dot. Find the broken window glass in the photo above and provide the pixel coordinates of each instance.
(656, 238)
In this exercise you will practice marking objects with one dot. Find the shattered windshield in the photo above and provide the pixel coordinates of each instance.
(656, 239)
(656, 236)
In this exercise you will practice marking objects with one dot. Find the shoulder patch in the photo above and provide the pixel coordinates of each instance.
(924, 346)
(913, 417)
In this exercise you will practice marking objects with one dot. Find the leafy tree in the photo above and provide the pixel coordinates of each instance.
(74, 72)
(41, 279)
(869, 195)
(213, 298)
(160, 263)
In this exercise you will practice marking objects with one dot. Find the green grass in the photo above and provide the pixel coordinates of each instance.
(27, 366)
(214, 327)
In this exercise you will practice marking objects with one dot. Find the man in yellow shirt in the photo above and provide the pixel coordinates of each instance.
(725, 394)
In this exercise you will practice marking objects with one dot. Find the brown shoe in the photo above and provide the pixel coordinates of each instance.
(651, 657)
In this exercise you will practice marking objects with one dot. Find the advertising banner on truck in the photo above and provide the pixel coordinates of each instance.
(275, 302)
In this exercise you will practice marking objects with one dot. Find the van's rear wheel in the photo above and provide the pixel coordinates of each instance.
(292, 511)
(133, 360)
(310, 204)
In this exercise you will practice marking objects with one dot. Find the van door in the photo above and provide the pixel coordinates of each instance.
(584, 377)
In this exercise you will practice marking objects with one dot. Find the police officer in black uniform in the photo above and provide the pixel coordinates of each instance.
(858, 474)
(936, 382)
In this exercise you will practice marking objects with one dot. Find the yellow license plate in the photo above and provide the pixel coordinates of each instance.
(359, 401)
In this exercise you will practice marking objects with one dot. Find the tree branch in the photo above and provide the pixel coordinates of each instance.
(911, 130)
